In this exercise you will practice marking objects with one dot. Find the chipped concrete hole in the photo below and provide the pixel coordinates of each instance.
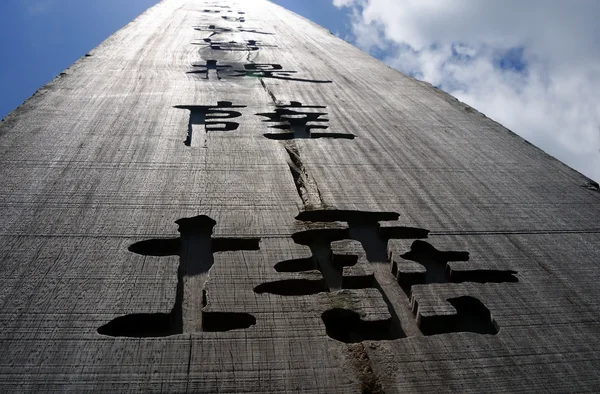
(195, 248)
(591, 185)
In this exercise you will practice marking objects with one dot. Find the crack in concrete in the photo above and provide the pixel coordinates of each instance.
(307, 187)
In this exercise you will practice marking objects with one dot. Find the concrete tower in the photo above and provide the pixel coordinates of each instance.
(224, 197)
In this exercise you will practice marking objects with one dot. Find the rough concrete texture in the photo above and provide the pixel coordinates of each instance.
(224, 197)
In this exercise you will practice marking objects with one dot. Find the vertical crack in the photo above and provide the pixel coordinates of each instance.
(189, 368)
(369, 382)
(306, 185)
(269, 92)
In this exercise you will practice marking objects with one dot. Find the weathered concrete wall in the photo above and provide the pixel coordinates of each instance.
(383, 237)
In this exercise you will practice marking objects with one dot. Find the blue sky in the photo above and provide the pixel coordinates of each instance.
(533, 66)
(41, 38)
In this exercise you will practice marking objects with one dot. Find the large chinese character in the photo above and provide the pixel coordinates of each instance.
(239, 19)
(424, 264)
(216, 30)
(248, 45)
(195, 248)
(212, 118)
(300, 120)
(210, 70)
(361, 309)
(252, 70)
(273, 71)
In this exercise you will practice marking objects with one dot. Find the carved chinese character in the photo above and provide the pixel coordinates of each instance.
(211, 68)
(195, 248)
(212, 118)
(248, 45)
(216, 30)
(272, 71)
(300, 120)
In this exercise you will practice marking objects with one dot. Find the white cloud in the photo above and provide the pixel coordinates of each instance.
(546, 89)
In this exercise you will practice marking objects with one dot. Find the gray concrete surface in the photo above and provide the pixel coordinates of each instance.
(382, 237)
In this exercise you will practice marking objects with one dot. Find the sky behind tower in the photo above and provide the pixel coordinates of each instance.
(533, 66)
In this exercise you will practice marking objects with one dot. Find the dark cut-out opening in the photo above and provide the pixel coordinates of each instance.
(156, 247)
(359, 282)
(226, 321)
(212, 117)
(195, 249)
(297, 118)
(211, 67)
(352, 216)
(300, 120)
(201, 224)
(231, 46)
(273, 71)
(339, 261)
(342, 136)
(233, 244)
(399, 232)
(434, 261)
(296, 265)
(142, 325)
(254, 31)
(234, 19)
(346, 326)
(221, 126)
(320, 236)
(591, 185)
(149, 325)
(437, 269)
(369, 236)
(282, 136)
(364, 227)
(214, 28)
(293, 287)
(424, 251)
(293, 136)
(158, 325)
(472, 316)
(407, 280)
(330, 265)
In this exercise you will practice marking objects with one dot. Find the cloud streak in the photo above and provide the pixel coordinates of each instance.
(533, 66)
